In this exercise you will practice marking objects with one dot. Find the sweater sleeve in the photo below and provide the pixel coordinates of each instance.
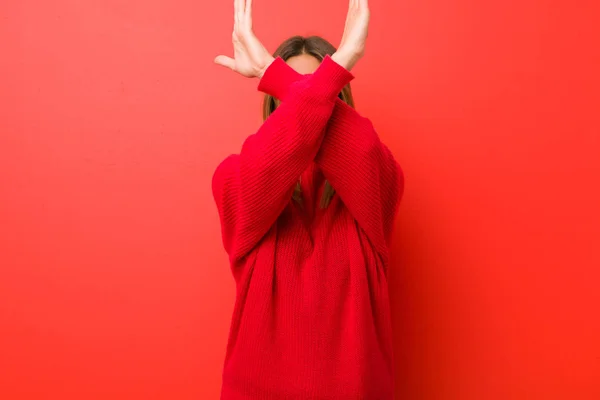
(360, 168)
(363, 172)
(252, 188)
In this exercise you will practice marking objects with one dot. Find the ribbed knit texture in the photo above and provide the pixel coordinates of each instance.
(312, 318)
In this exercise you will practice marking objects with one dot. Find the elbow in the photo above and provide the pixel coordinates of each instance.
(224, 175)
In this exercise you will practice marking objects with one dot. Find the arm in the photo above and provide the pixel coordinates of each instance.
(360, 168)
(252, 189)
(363, 172)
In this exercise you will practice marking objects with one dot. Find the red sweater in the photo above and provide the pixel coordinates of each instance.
(312, 317)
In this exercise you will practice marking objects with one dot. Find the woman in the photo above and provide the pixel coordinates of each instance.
(307, 211)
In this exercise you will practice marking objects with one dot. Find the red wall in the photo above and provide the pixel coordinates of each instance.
(113, 281)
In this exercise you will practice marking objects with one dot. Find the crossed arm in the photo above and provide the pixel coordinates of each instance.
(311, 124)
(252, 189)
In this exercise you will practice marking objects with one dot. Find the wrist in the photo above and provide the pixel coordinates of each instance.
(267, 64)
(345, 58)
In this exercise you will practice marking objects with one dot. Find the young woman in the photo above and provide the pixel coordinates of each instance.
(307, 210)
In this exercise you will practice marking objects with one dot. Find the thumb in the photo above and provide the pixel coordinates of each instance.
(225, 61)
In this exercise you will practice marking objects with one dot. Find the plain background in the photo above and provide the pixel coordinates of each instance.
(113, 281)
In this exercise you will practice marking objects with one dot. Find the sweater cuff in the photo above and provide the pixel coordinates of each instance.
(330, 78)
(278, 78)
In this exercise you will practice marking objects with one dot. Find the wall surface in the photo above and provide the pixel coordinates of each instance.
(113, 281)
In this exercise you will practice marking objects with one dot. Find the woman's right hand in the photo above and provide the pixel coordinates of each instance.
(251, 59)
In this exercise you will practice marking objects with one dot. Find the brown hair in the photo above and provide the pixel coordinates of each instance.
(317, 47)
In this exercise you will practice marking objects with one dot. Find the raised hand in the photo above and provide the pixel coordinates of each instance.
(251, 59)
(352, 46)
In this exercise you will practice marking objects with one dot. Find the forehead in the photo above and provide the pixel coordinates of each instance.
(304, 63)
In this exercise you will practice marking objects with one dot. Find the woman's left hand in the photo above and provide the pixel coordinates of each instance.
(352, 46)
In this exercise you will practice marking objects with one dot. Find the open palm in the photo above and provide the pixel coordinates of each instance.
(250, 57)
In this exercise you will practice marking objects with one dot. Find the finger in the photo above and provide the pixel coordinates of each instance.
(226, 62)
(353, 3)
(364, 3)
(238, 10)
(249, 12)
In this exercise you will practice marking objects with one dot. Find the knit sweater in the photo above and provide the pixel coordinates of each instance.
(312, 317)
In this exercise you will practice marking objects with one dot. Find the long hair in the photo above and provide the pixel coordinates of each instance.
(317, 47)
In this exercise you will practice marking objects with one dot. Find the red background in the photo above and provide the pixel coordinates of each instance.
(114, 284)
